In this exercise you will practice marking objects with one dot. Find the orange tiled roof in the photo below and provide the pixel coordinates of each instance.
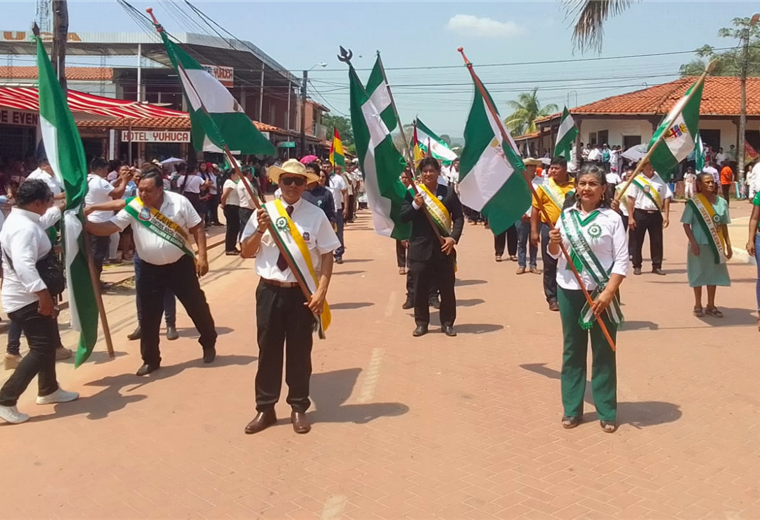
(720, 97)
(72, 73)
(163, 123)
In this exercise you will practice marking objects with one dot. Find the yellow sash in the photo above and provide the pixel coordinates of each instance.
(303, 260)
(649, 190)
(437, 210)
(711, 224)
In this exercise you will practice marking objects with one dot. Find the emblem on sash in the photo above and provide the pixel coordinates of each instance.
(281, 224)
(595, 231)
(144, 214)
(306, 236)
(440, 197)
(716, 218)
(647, 189)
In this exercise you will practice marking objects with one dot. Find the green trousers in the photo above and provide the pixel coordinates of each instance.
(603, 366)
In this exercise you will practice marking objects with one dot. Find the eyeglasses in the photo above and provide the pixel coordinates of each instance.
(298, 181)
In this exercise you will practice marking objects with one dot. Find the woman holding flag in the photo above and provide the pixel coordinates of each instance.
(705, 220)
(596, 239)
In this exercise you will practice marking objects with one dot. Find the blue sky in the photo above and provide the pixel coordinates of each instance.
(301, 34)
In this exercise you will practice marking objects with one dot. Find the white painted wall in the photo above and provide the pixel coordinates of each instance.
(617, 128)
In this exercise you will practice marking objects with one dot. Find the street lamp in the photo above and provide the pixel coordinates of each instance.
(303, 104)
(743, 96)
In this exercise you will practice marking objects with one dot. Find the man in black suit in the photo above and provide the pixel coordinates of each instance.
(428, 258)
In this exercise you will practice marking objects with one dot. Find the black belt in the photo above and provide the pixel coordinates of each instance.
(650, 211)
(277, 283)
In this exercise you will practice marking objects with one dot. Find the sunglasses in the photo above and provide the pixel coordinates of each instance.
(289, 181)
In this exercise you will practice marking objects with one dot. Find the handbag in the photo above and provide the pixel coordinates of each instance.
(50, 269)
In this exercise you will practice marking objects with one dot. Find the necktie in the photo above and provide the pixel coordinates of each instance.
(282, 264)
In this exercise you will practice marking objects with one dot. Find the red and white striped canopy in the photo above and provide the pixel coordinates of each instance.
(27, 98)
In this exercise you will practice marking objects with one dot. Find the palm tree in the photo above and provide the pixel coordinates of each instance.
(527, 109)
(590, 16)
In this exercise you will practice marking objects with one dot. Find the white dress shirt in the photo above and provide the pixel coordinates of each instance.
(190, 184)
(51, 181)
(212, 189)
(642, 200)
(316, 231)
(233, 199)
(244, 200)
(98, 191)
(610, 247)
(337, 186)
(150, 247)
(24, 241)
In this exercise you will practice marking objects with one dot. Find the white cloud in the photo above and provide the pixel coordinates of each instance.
(469, 25)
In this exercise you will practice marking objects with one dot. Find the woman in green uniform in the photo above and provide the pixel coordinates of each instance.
(705, 221)
(595, 237)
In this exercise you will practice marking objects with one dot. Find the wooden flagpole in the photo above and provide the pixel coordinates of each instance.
(542, 209)
(257, 203)
(652, 148)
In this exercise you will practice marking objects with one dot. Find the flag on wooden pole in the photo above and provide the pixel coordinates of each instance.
(336, 150)
(565, 136)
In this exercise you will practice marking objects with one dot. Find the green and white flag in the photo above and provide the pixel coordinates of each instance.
(438, 147)
(490, 170)
(225, 122)
(678, 130)
(699, 154)
(64, 150)
(566, 136)
(381, 163)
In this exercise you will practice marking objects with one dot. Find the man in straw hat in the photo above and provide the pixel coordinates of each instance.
(527, 254)
(282, 311)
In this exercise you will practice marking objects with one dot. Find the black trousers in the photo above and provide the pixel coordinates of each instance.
(647, 221)
(550, 266)
(99, 247)
(284, 326)
(42, 335)
(439, 270)
(350, 210)
(181, 279)
(400, 254)
(212, 207)
(232, 216)
(245, 216)
(631, 239)
(432, 293)
(726, 191)
(508, 238)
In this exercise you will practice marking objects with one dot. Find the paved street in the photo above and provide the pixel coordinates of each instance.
(434, 427)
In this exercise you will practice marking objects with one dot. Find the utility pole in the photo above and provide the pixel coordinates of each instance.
(743, 95)
(60, 37)
(303, 112)
(261, 95)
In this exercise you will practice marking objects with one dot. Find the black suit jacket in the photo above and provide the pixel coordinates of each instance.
(423, 243)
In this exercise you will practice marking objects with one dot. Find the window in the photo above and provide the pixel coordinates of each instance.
(603, 136)
(629, 141)
(710, 138)
(592, 138)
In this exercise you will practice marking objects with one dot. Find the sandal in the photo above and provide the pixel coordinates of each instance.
(714, 312)
(608, 426)
(569, 423)
(401, 270)
(498, 258)
(698, 312)
(513, 258)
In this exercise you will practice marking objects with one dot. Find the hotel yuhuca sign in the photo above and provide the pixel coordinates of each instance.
(155, 136)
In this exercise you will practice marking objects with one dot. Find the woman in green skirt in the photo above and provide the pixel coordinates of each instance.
(596, 239)
(705, 222)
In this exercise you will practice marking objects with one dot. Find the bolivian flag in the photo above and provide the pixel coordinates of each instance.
(417, 150)
(336, 150)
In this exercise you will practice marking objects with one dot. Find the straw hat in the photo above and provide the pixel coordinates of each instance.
(530, 161)
(292, 167)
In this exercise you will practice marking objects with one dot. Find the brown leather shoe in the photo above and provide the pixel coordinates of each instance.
(300, 423)
(262, 421)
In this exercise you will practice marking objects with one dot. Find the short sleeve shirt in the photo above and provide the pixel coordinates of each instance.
(190, 184)
(692, 218)
(233, 199)
(336, 185)
(150, 247)
(52, 182)
(642, 201)
(726, 175)
(98, 191)
(552, 210)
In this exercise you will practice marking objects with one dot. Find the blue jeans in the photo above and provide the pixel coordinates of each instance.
(523, 236)
(170, 302)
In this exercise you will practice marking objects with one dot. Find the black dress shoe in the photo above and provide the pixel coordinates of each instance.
(637, 271)
(209, 355)
(658, 271)
(434, 303)
(449, 330)
(147, 369)
(262, 421)
(408, 304)
(136, 334)
(421, 330)
(300, 423)
(554, 306)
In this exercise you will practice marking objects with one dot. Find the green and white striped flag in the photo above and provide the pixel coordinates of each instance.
(565, 136)
(699, 154)
(226, 122)
(381, 163)
(490, 170)
(64, 150)
(438, 147)
(678, 130)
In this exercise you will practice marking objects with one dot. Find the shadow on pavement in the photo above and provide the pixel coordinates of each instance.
(639, 325)
(732, 316)
(470, 303)
(348, 272)
(356, 260)
(331, 390)
(638, 415)
(350, 305)
(477, 328)
(192, 332)
(463, 283)
(111, 399)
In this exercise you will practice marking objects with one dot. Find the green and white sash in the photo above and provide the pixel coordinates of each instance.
(160, 225)
(709, 220)
(437, 210)
(646, 186)
(555, 194)
(298, 252)
(584, 259)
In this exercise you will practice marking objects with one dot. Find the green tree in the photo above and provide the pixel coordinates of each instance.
(590, 16)
(343, 124)
(728, 63)
(526, 110)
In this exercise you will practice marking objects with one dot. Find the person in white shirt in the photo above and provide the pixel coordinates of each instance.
(167, 263)
(337, 185)
(44, 172)
(592, 232)
(712, 170)
(190, 185)
(99, 190)
(282, 310)
(247, 206)
(231, 208)
(720, 157)
(595, 155)
(28, 300)
(648, 198)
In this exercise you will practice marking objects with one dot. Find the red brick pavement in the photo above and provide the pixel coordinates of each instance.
(433, 427)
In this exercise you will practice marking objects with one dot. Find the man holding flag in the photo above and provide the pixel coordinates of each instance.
(648, 199)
